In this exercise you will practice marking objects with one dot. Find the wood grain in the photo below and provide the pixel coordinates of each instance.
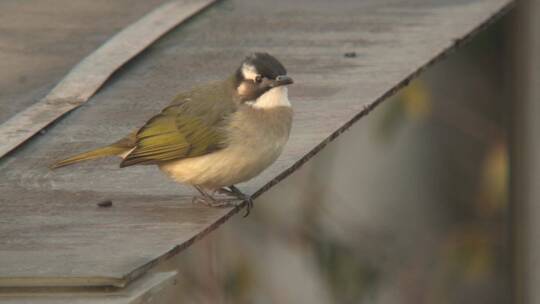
(41, 41)
(48, 219)
(154, 288)
(90, 74)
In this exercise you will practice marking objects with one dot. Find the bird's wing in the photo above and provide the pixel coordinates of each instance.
(192, 125)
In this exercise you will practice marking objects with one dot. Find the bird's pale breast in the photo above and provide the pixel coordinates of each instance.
(256, 138)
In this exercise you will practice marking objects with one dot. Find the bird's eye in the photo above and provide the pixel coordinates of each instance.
(258, 79)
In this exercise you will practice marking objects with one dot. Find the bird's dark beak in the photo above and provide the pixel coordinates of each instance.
(282, 80)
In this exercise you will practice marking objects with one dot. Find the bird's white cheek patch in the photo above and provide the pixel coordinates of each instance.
(249, 71)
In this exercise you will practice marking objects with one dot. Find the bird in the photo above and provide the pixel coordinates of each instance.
(215, 135)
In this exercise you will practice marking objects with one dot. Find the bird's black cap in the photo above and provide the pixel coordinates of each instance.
(265, 64)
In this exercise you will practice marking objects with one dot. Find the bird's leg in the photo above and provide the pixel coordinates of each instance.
(210, 201)
(233, 191)
(207, 199)
(226, 191)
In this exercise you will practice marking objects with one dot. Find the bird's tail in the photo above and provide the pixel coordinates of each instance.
(97, 153)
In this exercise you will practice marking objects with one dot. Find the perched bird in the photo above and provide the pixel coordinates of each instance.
(216, 135)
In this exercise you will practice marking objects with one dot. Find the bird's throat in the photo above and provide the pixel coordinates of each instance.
(275, 97)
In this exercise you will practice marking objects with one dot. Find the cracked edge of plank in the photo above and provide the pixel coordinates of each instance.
(108, 294)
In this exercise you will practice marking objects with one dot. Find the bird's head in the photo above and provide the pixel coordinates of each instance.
(259, 73)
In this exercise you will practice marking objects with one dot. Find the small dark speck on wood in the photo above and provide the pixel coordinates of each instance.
(350, 55)
(105, 204)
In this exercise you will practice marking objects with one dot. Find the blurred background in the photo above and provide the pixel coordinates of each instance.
(408, 206)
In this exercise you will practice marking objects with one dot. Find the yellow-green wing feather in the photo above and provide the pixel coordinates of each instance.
(191, 126)
(117, 148)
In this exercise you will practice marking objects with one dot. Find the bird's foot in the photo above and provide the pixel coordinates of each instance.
(216, 203)
(240, 196)
(235, 199)
(249, 204)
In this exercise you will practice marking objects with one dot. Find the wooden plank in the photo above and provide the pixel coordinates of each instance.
(154, 288)
(40, 41)
(50, 218)
(90, 74)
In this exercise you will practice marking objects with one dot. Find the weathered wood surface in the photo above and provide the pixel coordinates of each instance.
(40, 41)
(154, 288)
(50, 228)
(90, 74)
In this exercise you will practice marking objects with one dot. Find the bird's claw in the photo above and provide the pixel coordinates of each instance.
(249, 205)
(238, 198)
(224, 203)
(242, 197)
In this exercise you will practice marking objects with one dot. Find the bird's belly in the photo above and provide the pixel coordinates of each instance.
(225, 167)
